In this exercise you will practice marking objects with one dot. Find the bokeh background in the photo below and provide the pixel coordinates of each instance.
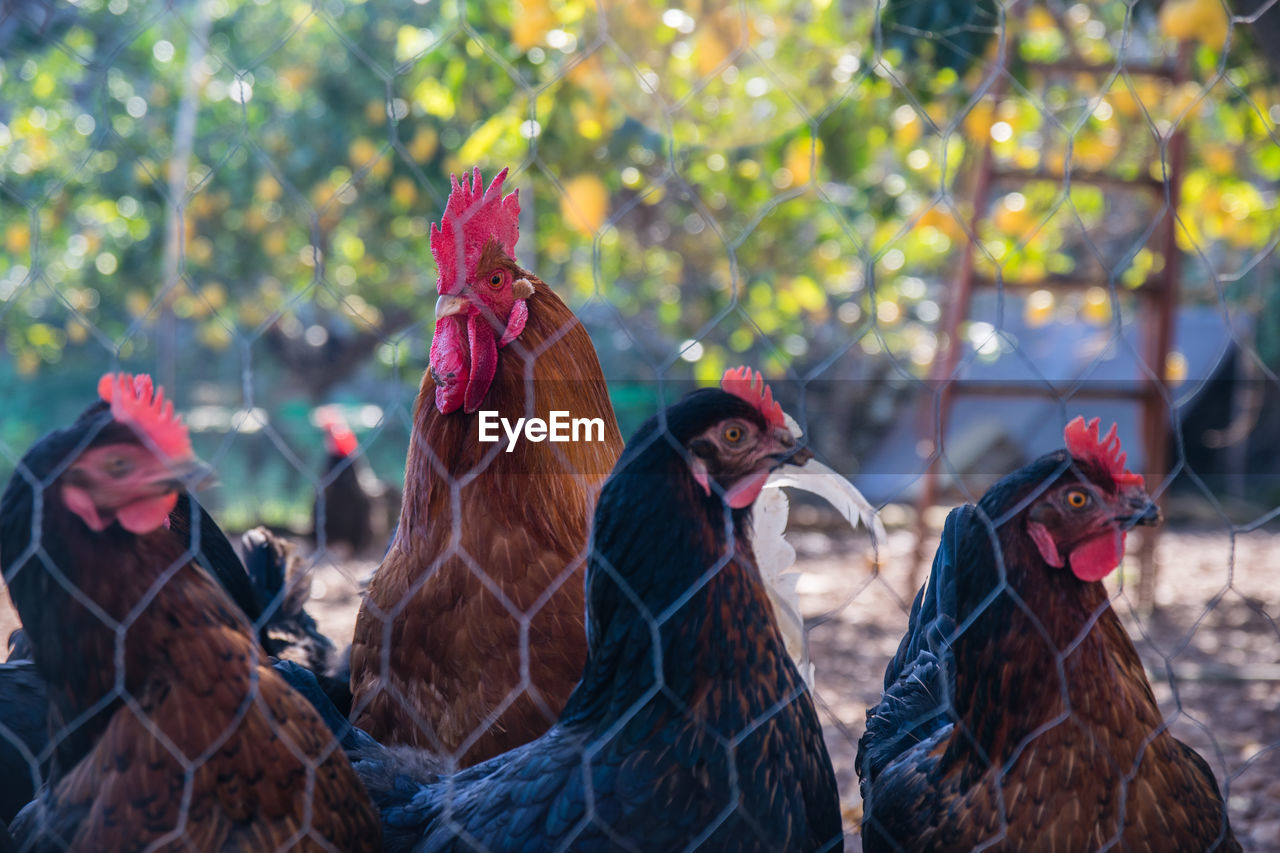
(236, 197)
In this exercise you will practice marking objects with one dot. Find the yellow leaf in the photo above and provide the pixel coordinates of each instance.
(434, 98)
(533, 20)
(17, 237)
(404, 191)
(585, 203)
(424, 144)
(799, 158)
(267, 188)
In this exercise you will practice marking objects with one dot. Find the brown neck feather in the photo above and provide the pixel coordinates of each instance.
(1008, 681)
(566, 376)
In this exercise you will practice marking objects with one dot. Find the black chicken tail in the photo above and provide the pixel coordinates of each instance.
(282, 586)
(392, 775)
(19, 646)
(918, 681)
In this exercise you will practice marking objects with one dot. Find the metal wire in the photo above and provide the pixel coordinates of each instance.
(265, 175)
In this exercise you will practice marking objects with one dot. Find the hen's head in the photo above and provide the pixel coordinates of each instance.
(482, 290)
(339, 440)
(1081, 518)
(733, 437)
(133, 469)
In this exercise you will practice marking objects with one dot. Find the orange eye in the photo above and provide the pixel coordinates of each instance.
(733, 434)
(1077, 499)
(496, 279)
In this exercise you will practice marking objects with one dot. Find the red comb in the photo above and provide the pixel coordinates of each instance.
(471, 219)
(341, 439)
(1083, 443)
(133, 403)
(749, 385)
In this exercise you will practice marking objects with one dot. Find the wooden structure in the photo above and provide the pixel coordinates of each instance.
(1157, 297)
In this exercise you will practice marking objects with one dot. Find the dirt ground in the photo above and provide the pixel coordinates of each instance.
(1212, 647)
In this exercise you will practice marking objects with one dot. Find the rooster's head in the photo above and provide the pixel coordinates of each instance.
(483, 292)
(1080, 520)
(133, 469)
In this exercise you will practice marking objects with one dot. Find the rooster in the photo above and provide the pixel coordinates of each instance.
(202, 740)
(691, 726)
(1016, 713)
(470, 638)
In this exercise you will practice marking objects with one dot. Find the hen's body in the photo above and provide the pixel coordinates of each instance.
(344, 518)
(194, 694)
(725, 751)
(448, 606)
(1059, 743)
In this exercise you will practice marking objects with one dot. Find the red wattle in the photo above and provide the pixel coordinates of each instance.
(744, 492)
(1044, 542)
(78, 501)
(1098, 557)
(484, 361)
(147, 514)
(515, 322)
(449, 363)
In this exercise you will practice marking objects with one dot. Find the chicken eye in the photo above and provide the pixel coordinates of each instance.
(117, 466)
(496, 279)
(1077, 499)
(733, 434)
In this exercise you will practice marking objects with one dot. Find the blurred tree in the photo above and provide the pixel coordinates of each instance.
(716, 183)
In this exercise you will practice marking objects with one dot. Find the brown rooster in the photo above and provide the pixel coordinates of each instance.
(471, 637)
(203, 741)
(1016, 714)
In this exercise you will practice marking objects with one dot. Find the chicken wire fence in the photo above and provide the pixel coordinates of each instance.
(941, 230)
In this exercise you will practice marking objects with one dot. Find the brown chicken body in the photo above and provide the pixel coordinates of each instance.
(471, 637)
(204, 743)
(1017, 715)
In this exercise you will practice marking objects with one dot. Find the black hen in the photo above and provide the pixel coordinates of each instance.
(690, 725)
(1016, 713)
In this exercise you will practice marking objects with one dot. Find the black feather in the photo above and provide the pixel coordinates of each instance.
(23, 735)
(917, 683)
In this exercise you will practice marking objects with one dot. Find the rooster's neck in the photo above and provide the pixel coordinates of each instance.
(446, 448)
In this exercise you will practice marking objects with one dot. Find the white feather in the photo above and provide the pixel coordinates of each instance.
(774, 554)
(776, 559)
(818, 479)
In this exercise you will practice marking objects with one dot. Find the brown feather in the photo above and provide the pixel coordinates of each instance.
(438, 659)
(211, 749)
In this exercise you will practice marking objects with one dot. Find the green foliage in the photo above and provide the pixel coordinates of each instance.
(764, 182)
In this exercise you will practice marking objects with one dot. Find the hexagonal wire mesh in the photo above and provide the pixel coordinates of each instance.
(940, 229)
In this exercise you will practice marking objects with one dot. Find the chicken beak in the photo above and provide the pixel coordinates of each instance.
(789, 453)
(1149, 517)
(799, 456)
(450, 304)
(1142, 511)
(190, 474)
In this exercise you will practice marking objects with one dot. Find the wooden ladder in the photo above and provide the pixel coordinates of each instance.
(1157, 297)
